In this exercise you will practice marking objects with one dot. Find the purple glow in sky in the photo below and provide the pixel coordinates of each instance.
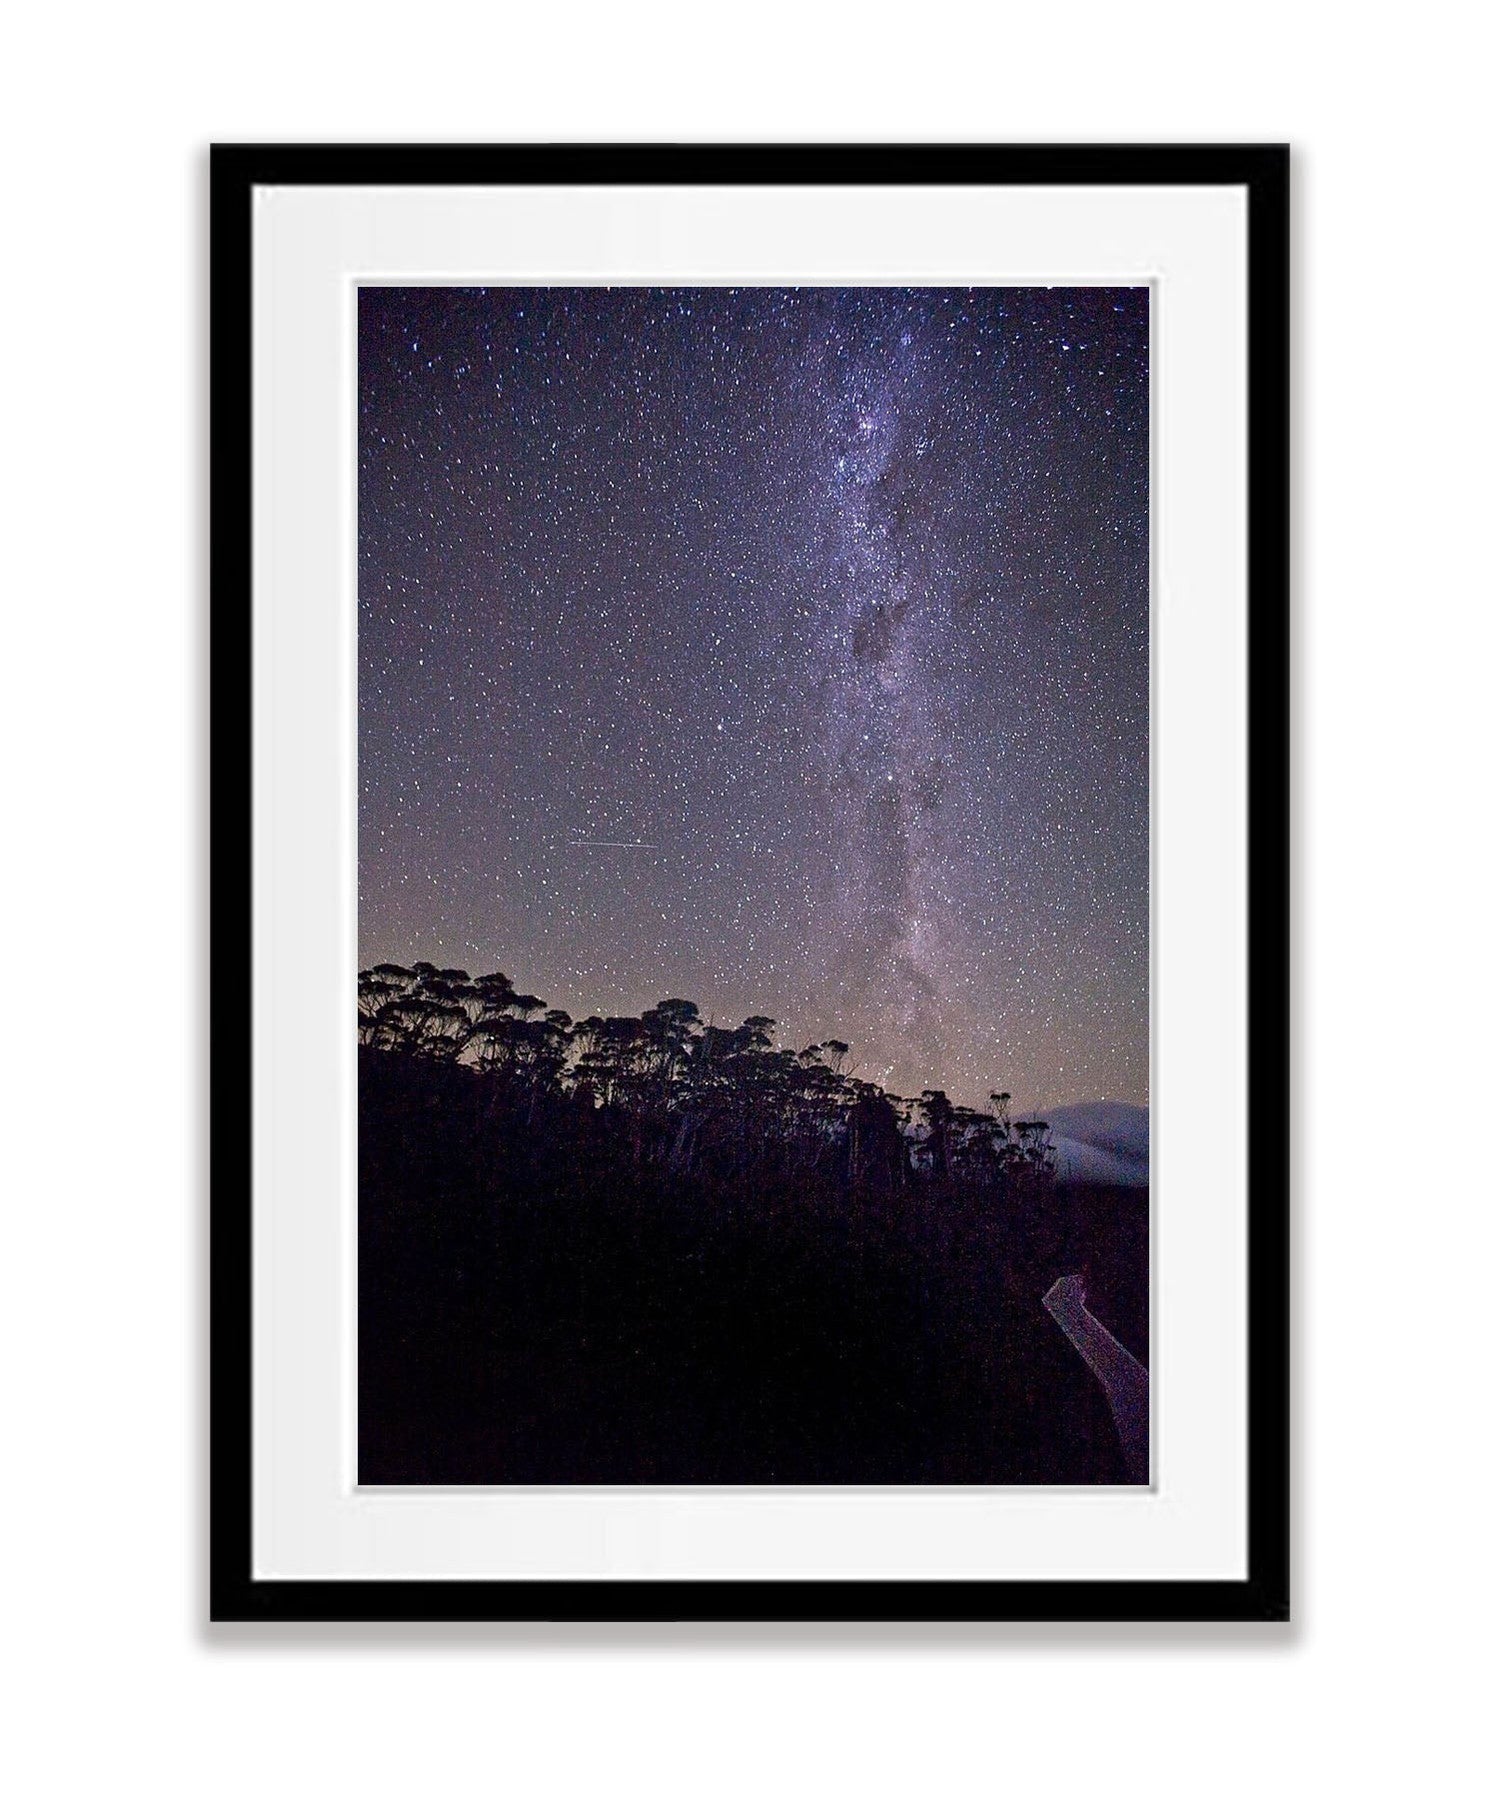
(783, 650)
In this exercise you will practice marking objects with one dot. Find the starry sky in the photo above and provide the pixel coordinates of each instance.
(785, 650)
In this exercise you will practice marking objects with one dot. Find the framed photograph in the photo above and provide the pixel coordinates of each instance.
(750, 733)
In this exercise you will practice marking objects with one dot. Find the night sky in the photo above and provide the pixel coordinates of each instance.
(782, 650)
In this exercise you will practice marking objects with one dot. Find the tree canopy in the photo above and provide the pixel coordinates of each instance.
(691, 1093)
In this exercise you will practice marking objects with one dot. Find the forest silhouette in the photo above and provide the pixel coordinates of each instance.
(656, 1249)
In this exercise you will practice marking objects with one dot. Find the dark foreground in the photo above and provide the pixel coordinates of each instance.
(542, 1299)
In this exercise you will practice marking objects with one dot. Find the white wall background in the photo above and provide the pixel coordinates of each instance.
(118, 1685)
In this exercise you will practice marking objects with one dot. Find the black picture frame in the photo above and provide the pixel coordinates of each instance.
(1262, 171)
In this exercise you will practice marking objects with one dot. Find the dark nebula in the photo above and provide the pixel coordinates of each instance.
(784, 650)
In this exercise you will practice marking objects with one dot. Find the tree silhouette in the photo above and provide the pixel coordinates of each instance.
(657, 1248)
(683, 1090)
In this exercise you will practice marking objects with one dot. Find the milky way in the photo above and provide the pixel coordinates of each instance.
(784, 650)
